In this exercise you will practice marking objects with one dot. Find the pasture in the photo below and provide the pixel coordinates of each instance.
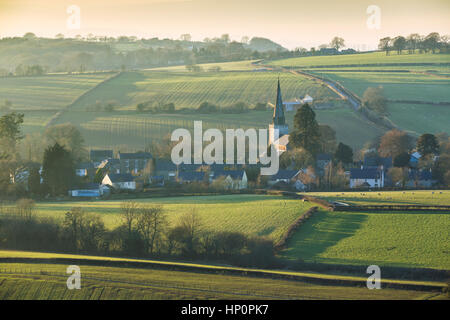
(403, 239)
(406, 77)
(41, 97)
(416, 197)
(364, 59)
(48, 282)
(257, 215)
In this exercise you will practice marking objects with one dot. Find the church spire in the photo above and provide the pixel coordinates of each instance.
(278, 112)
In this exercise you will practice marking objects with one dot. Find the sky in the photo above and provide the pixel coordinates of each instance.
(292, 23)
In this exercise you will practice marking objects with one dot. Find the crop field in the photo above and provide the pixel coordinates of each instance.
(189, 90)
(41, 97)
(373, 58)
(411, 77)
(250, 214)
(48, 282)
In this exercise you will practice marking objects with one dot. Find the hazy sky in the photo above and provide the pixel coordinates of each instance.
(291, 23)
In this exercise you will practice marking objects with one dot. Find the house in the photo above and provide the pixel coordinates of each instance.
(88, 190)
(420, 179)
(120, 181)
(323, 160)
(233, 179)
(191, 176)
(157, 180)
(367, 177)
(85, 169)
(284, 175)
(134, 162)
(97, 156)
(374, 161)
(166, 169)
(110, 165)
(414, 159)
(307, 99)
(292, 104)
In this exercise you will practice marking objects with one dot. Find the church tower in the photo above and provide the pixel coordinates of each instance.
(278, 120)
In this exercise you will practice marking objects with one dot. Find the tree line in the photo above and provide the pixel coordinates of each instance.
(415, 42)
(144, 231)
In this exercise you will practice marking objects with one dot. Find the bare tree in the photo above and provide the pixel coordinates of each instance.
(151, 224)
(129, 213)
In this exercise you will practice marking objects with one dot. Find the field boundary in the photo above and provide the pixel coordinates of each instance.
(293, 228)
(399, 207)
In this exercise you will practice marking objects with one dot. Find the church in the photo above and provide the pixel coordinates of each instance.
(278, 129)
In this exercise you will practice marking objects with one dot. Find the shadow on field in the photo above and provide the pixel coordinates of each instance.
(322, 231)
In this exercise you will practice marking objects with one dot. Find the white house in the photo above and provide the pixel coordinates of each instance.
(307, 99)
(124, 181)
(367, 177)
(292, 104)
(233, 179)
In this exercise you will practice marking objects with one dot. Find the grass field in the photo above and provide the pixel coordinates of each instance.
(250, 214)
(45, 281)
(373, 58)
(405, 239)
(417, 197)
(41, 97)
(413, 77)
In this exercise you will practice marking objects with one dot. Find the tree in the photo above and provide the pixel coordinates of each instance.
(337, 43)
(412, 42)
(10, 126)
(189, 226)
(385, 44)
(395, 142)
(186, 37)
(431, 41)
(373, 99)
(151, 223)
(344, 153)
(306, 132)
(34, 181)
(327, 138)
(129, 211)
(69, 136)
(399, 44)
(58, 169)
(402, 160)
(427, 144)
(25, 208)
(399, 176)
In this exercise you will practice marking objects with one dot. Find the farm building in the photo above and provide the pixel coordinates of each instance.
(166, 168)
(88, 190)
(121, 181)
(292, 105)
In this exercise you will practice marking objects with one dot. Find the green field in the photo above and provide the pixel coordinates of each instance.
(250, 214)
(416, 197)
(373, 58)
(406, 239)
(48, 282)
(402, 239)
(41, 97)
(412, 77)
